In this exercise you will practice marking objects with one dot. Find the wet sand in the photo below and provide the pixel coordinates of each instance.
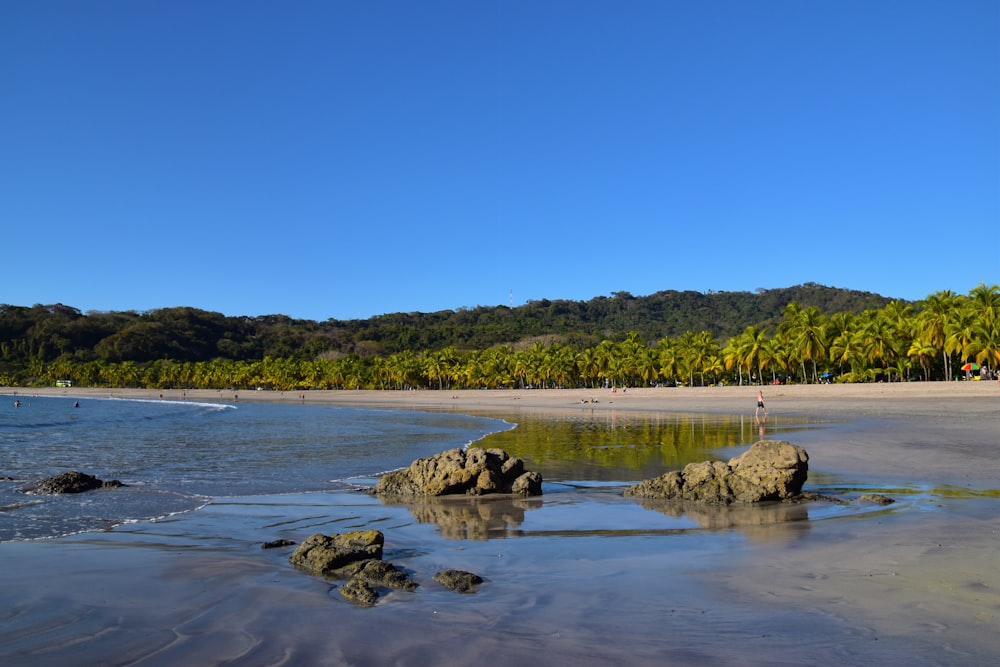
(580, 576)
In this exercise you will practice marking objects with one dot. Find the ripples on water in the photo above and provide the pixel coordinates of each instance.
(175, 455)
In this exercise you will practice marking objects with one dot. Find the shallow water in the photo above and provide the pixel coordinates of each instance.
(175, 456)
(579, 576)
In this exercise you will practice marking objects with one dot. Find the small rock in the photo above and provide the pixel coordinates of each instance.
(274, 544)
(876, 498)
(358, 591)
(73, 482)
(378, 573)
(458, 580)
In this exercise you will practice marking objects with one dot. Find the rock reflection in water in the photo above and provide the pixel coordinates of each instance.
(761, 522)
(470, 517)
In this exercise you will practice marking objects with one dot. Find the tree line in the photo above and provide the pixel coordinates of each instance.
(45, 333)
(932, 339)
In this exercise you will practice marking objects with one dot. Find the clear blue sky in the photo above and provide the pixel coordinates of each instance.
(347, 159)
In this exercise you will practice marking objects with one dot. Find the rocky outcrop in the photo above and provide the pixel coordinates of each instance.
(473, 472)
(73, 482)
(769, 470)
(325, 554)
(356, 557)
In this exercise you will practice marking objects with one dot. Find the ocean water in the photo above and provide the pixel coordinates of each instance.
(176, 456)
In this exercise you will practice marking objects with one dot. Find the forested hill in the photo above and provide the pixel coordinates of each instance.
(44, 333)
(585, 323)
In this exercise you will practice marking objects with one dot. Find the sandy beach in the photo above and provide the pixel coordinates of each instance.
(601, 581)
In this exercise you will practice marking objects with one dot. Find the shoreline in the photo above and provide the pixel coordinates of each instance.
(911, 398)
(926, 431)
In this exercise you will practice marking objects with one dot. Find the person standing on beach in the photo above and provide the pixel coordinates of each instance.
(760, 406)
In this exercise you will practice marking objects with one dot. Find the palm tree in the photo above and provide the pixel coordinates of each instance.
(848, 348)
(962, 333)
(561, 362)
(752, 342)
(589, 364)
(648, 365)
(878, 337)
(807, 330)
(987, 344)
(668, 358)
(923, 352)
(985, 301)
(605, 352)
(934, 321)
(696, 349)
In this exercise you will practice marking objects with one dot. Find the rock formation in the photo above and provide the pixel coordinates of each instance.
(769, 470)
(73, 482)
(458, 580)
(325, 554)
(473, 472)
(355, 556)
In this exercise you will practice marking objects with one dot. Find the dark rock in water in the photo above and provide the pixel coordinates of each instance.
(274, 544)
(355, 556)
(475, 471)
(74, 482)
(358, 591)
(324, 554)
(876, 498)
(458, 580)
(378, 573)
(769, 470)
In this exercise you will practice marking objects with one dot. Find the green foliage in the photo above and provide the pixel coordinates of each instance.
(621, 341)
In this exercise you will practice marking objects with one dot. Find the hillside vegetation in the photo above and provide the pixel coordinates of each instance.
(806, 333)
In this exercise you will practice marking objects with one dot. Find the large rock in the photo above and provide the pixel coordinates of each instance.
(474, 471)
(769, 470)
(73, 482)
(356, 557)
(325, 554)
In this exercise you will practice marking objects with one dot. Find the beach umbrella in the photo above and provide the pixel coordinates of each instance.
(970, 367)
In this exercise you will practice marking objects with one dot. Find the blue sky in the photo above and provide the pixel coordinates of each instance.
(348, 159)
